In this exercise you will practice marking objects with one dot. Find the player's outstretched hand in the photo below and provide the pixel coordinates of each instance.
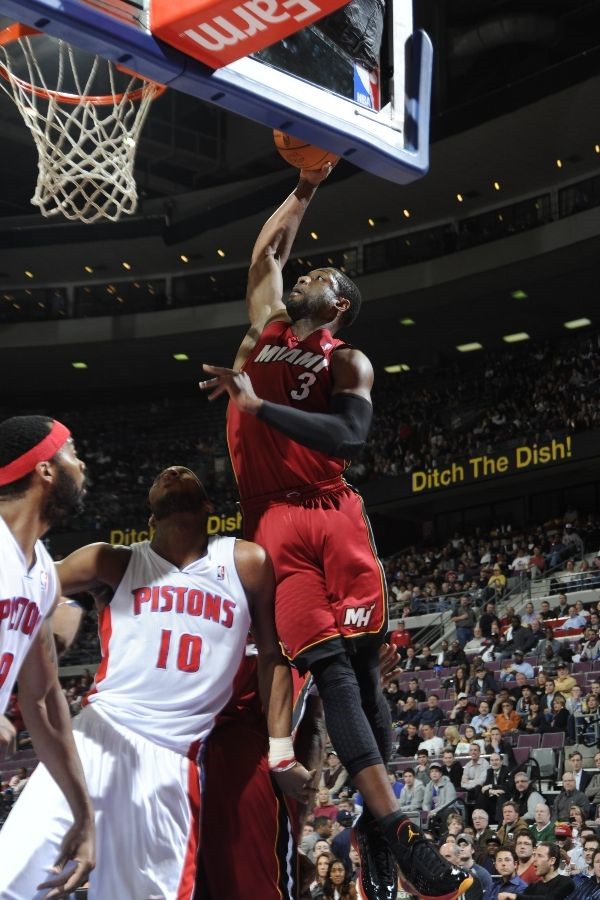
(296, 782)
(388, 663)
(8, 737)
(74, 864)
(236, 384)
(316, 176)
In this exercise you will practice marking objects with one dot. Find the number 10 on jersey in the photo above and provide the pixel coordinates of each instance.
(188, 652)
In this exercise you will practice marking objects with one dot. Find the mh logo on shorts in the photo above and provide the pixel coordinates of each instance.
(359, 617)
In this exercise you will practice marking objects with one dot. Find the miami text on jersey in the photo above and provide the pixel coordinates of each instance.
(275, 353)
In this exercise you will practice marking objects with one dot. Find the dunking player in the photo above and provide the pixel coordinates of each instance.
(41, 481)
(299, 406)
(172, 637)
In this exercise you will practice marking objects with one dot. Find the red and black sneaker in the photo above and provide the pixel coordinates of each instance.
(423, 871)
(378, 869)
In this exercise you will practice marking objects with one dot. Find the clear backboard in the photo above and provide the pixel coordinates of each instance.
(304, 85)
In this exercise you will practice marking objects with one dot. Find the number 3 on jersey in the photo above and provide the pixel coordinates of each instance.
(188, 653)
(307, 379)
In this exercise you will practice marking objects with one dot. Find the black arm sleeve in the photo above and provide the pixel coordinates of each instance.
(341, 433)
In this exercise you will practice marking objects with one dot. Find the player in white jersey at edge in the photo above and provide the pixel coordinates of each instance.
(172, 638)
(41, 481)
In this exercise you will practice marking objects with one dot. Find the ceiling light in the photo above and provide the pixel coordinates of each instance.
(28, 273)
(396, 368)
(79, 365)
(460, 198)
(518, 294)
(516, 337)
(371, 222)
(496, 185)
(88, 269)
(184, 258)
(221, 253)
(597, 148)
(314, 235)
(559, 163)
(181, 357)
(468, 348)
(329, 260)
(577, 323)
(126, 265)
(406, 213)
(407, 321)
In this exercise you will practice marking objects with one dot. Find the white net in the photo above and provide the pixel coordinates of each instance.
(86, 143)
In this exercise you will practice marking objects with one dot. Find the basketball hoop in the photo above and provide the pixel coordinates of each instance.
(86, 140)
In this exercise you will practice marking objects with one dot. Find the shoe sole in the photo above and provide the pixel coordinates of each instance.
(410, 889)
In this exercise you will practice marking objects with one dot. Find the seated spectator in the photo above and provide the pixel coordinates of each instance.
(525, 866)
(476, 644)
(484, 720)
(592, 789)
(422, 767)
(524, 695)
(575, 701)
(414, 691)
(460, 713)
(321, 869)
(587, 726)
(497, 744)
(559, 716)
(494, 788)
(455, 656)
(481, 827)
(525, 796)
(452, 768)
(506, 866)
(458, 681)
(574, 621)
(324, 807)
(401, 638)
(542, 828)
(333, 774)
(410, 661)
(474, 773)
(337, 884)
(410, 801)
(568, 797)
(469, 737)
(520, 640)
(487, 618)
(548, 640)
(408, 712)
(529, 615)
(496, 585)
(520, 666)
(537, 564)
(588, 648)
(430, 742)
(508, 721)
(561, 610)
(432, 715)
(482, 681)
(512, 824)
(466, 848)
(440, 791)
(409, 740)
(545, 611)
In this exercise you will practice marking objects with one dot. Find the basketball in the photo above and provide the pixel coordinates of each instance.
(298, 153)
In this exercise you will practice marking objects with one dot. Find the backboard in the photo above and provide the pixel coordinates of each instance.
(392, 142)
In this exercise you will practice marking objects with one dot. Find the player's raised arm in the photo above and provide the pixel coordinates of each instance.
(46, 715)
(270, 254)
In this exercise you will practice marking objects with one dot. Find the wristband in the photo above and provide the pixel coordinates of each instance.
(281, 754)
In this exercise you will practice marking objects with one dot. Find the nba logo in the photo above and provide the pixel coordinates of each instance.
(221, 573)
(44, 579)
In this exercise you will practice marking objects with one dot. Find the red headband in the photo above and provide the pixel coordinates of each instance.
(27, 462)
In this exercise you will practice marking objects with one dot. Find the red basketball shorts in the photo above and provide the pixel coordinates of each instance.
(329, 581)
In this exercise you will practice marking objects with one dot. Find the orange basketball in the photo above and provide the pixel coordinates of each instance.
(298, 153)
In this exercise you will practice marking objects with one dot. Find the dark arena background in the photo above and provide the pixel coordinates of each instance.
(481, 474)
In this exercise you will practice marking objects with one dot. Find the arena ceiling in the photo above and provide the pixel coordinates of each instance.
(515, 90)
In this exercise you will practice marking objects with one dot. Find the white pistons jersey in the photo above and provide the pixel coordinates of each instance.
(172, 640)
(26, 598)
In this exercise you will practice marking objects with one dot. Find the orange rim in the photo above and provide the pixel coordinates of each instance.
(17, 30)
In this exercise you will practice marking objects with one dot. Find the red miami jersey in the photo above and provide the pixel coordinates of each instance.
(297, 374)
(26, 598)
(172, 640)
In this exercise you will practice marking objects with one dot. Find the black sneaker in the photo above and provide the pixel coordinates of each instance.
(378, 869)
(423, 871)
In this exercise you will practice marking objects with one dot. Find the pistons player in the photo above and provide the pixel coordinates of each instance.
(172, 637)
(41, 482)
(300, 406)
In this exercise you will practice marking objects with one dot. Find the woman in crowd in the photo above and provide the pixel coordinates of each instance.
(451, 737)
(535, 721)
(322, 864)
(559, 715)
(337, 884)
